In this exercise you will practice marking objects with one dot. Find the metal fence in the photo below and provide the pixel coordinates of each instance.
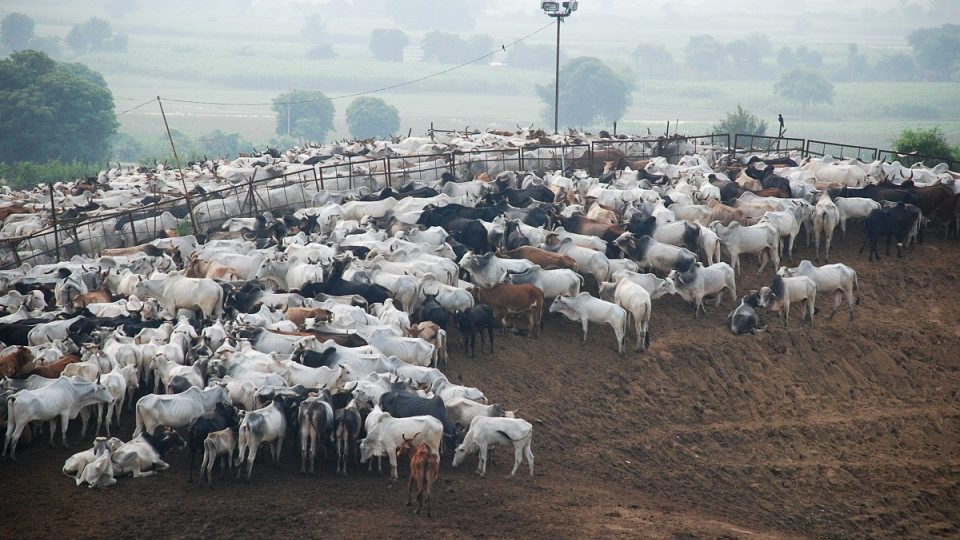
(745, 144)
(66, 236)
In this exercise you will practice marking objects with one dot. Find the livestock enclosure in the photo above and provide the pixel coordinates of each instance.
(283, 193)
(848, 429)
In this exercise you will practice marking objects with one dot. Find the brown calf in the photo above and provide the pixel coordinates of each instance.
(299, 315)
(424, 470)
(12, 363)
(430, 332)
(506, 298)
(546, 259)
(54, 369)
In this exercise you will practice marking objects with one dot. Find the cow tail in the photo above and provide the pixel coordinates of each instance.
(218, 311)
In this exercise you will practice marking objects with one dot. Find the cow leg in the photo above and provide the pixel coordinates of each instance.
(392, 456)
(529, 454)
(490, 334)
(585, 323)
(837, 299)
(410, 490)
(84, 418)
(304, 446)
(251, 457)
(64, 424)
(482, 462)
(816, 236)
(517, 458)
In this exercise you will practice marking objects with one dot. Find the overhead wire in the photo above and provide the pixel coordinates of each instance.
(502, 47)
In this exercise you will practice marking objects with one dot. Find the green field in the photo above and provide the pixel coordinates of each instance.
(217, 54)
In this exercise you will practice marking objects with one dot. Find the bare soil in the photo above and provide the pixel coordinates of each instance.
(843, 430)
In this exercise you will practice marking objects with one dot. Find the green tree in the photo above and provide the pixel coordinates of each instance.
(804, 87)
(372, 117)
(653, 61)
(896, 67)
(218, 143)
(387, 44)
(95, 35)
(937, 49)
(124, 147)
(452, 49)
(705, 54)
(311, 114)
(742, 121)
(590, 92)
(930, 142)
(322, 51)
(53, 111)
(523, 56)
(16, 31)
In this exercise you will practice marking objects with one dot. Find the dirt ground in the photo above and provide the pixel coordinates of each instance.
(843, 430)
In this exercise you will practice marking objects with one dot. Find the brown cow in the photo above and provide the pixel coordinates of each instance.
(99, 296)
(434, 335)
(424, 470)
(547, 260)
(149, 249)
(12, 363)
(299, 315)
(7, 211)
(591, 227)
(54, 369)
(726, 214)
(506, 298)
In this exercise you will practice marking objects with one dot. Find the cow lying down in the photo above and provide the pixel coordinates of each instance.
(744, 319)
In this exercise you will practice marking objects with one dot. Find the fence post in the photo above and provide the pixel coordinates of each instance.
(133, 229)
(350, 171)
(53, 210)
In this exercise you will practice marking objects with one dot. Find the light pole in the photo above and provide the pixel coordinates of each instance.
(559, 11)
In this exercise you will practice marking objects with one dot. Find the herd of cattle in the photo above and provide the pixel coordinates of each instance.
(329, 325)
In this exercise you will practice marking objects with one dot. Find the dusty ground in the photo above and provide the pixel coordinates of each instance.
(845, 430)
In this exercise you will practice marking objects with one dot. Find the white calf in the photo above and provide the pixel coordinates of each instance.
(218, 443)
(785, 291)
(587, 309)
(486, 431)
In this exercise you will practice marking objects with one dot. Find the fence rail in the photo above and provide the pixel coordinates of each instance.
(67, 236)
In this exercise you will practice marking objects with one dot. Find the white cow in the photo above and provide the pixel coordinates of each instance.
(826, 215)
(837, 278)
(635, 299)
(218, 443)
(700, 282)
(414, 351)
(386, 434)
(143, 455)
(61, 399)
(854, 208)
(75, 463)
(787, 224)
(462, 411)
(98, 472)
(788, 290)
(177, 291)
(266, 425)
(177, 410)
(586, 309)
(762, 239)
(486, 431)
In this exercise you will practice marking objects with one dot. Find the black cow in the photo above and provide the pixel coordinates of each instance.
(513, 237)
(890, 222)
(641, 226)
(404, 405)
(522, 197)
(337, 286)
(439, 216)
(222, 417)
(473, 321)
(744, 319)
(469, 232)
(431, 310)
(327, 358)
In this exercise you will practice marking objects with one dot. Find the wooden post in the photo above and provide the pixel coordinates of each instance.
(183, 180)
(56, 234)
